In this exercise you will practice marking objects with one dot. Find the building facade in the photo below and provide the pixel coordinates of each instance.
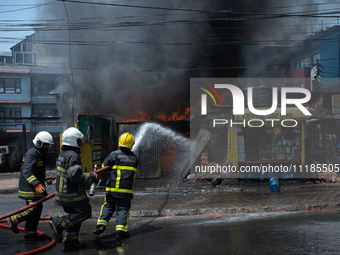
(29, 101)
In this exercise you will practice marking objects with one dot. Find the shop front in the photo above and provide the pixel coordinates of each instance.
(268, 146)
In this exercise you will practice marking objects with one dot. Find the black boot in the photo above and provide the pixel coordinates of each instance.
(35, 237)
(99, 229)
(13, 226)
(122, 235)
(57, 232)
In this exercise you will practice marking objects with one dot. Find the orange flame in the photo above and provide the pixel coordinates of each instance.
(144, 115)
(175, 115)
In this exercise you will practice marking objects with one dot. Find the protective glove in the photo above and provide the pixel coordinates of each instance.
(39, 188)
(94, 176)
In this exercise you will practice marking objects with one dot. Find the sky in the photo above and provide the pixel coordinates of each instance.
(16, 15)
(20, 15)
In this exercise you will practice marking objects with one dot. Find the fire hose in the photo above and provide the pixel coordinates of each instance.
(53, 242)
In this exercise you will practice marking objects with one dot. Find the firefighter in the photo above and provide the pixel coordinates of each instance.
(119, 189)
(70, 192)
(32, 186)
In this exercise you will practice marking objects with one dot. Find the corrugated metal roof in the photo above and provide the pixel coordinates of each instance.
(5, 54)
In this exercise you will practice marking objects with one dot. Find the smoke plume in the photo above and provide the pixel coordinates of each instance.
(128, 61)
(136, 58)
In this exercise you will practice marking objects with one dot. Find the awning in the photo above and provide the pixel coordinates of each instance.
(14, 101)
(10, 71)
(13, 130)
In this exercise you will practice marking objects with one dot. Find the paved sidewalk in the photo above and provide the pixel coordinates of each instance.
(168, 198)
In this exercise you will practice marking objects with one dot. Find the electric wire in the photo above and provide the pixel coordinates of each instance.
(167, 69)
(31, 7)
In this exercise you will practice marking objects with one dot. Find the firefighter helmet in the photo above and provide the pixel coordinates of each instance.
(42, 138)
(72, 137)
(126, 140)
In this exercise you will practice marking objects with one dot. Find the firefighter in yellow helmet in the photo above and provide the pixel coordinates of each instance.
(119, 189)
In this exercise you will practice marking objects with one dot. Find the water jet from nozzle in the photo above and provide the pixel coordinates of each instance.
(174, 147)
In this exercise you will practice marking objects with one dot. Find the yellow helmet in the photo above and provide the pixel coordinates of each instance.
(126, 140)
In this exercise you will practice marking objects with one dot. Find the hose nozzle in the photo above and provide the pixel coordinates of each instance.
(92, 189)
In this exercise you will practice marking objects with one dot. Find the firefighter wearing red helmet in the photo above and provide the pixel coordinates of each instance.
(119, 189)
(32, 186)
(70, 192)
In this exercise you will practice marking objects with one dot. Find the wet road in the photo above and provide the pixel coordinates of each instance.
(256, 233)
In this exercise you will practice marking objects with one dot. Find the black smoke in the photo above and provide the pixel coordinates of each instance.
(138, 56)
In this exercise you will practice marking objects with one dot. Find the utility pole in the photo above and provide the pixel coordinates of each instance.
(24, 139)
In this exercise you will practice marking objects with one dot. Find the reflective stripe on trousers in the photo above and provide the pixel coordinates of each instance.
(111, 204)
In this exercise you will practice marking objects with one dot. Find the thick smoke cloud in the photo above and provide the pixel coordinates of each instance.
(137, 61)
(132, 61)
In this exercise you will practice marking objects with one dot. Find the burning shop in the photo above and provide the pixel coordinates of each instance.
(266, 143)
(161, 146)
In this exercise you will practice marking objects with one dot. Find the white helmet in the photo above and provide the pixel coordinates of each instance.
(72, 137)
(41, 138)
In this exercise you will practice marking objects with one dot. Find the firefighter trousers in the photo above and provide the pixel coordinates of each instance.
(31, 216)
(71, 221)
(111, 204)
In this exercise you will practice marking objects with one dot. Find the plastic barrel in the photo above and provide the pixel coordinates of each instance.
(274, 184)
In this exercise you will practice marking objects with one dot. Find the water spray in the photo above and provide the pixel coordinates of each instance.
(172, 144)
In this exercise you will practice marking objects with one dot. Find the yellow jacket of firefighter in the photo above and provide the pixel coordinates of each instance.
(71, 181)
(123, 163)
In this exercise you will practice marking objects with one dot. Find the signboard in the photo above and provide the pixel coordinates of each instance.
(336, 104)
(317, 104)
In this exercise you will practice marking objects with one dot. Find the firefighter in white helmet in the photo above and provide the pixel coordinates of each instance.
(119, 189)
(70, 191)
(32, 186)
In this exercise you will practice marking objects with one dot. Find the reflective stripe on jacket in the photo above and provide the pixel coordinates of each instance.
(71, 181)
(32, 172)
(123, 164)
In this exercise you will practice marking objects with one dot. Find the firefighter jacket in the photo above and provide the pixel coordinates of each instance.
(32, 172)
(123, 164)
(71, 181)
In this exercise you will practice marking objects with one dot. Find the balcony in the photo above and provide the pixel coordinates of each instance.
(39, 98)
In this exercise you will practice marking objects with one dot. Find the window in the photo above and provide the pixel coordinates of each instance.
(10, 85)
(304, 62)
(10, 114)
(46, 110)
(19, 57)
(28, 58)
(295, 65)
(2, 85)
(2, 114)
(315, 59)
(24, 46)
(17, 86)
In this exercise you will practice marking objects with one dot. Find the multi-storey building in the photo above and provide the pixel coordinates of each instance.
(29, 101)
(312, 64)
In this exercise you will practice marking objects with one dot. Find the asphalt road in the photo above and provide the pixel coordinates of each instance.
(255, 233)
